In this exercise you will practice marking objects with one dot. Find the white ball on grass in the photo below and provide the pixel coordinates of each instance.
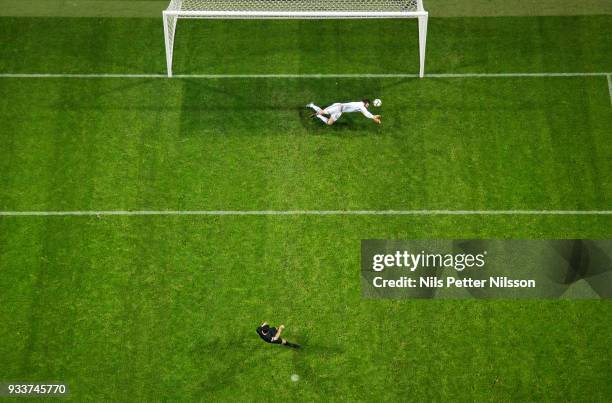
(295, 377)
(377, 102)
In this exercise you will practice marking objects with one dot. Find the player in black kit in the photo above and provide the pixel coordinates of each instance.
(272, 335)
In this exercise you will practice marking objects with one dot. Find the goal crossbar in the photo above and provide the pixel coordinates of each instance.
(295, 14)
(293, 9)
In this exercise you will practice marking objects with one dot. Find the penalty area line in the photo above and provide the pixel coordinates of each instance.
(308, 213)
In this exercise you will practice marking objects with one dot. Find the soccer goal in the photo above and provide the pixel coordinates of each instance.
(293, 9)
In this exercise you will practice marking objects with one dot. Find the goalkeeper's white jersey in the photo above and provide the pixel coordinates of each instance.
(356, 107)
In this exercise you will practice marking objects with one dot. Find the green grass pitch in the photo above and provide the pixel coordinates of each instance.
(165, 308)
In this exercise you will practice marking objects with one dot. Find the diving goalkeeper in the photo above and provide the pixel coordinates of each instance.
(332, 113)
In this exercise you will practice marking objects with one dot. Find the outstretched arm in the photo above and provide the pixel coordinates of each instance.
(366, 112)
(369, 115)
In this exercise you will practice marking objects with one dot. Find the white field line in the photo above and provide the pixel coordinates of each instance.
(306, 76)
(309, 213)
(610, 87)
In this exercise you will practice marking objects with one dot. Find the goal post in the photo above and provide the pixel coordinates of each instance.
(293, 9)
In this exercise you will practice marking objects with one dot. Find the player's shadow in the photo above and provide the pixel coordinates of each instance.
(235, 110)
(309, 347)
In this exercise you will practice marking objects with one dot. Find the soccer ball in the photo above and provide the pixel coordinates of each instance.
(377, 103)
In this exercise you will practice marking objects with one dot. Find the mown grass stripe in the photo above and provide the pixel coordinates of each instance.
(610, 87)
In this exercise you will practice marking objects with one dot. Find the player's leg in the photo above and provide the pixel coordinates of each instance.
(335, 111)
(288, 344)
(315, 107)
(324, 118)
(334, 118)
(319, 113)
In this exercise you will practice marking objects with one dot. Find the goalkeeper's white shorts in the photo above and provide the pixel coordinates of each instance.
(335, 111)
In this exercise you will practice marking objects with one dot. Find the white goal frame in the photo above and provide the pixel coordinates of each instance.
(176, 11)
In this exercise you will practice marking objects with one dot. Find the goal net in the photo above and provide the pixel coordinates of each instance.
(298, 9)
